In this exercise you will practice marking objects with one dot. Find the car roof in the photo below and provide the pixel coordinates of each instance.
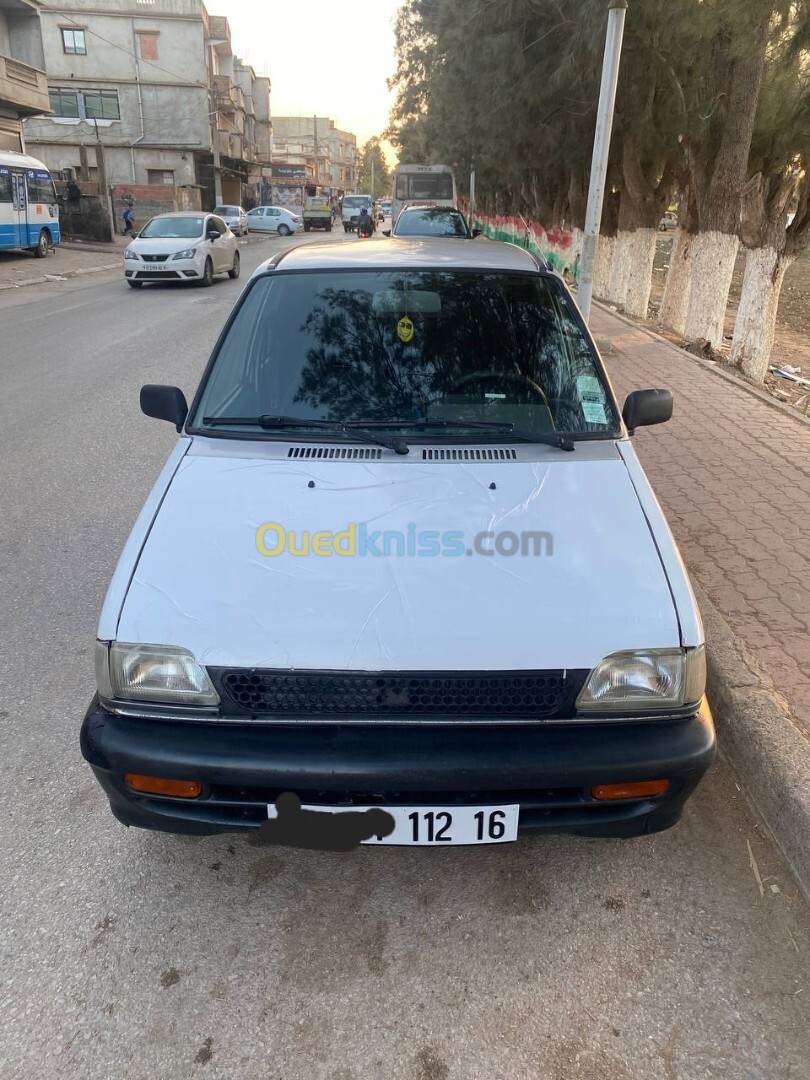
(429, 210)
(182, 213)
(417, 253)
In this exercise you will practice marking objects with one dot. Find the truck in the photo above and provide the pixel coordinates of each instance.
(317, 213)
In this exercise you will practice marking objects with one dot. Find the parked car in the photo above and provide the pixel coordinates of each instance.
(185, 246)
(668, 221)
(432, 221)
(385, 206)
(234, 217)
(403, 555)
(274, 219)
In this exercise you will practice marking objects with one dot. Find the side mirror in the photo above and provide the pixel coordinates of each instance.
(213, 234)
(476, 232)
(386, 232)
(645, 407)
(164, 403)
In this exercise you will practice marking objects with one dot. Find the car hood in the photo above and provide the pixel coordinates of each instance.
(158, 246)
(201, 582)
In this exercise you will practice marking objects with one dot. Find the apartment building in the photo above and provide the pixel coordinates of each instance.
(329, 153)
(23, 85)
(156, 84)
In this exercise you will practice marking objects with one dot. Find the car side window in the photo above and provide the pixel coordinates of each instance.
(272, 213)
(220, 224)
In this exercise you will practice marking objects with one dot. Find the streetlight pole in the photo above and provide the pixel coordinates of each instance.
(601, 149)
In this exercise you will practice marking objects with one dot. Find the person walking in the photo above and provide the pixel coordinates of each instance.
(129, 222)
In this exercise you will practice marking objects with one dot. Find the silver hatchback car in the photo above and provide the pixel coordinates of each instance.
(234, 217)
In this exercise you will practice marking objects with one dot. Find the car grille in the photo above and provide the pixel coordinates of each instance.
(429, 696)
(157, 275)
(154, 258)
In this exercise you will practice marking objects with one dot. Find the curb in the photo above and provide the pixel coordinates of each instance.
(67, 274)
(741, 384)
(758, 737)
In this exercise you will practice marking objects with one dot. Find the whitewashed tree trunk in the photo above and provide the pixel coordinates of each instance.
(713, 258)
(604, 261)
(620, 268)
(639, 272)
(679, 277)
(755, 325)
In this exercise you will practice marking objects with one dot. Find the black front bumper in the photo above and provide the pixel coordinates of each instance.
(548, 769)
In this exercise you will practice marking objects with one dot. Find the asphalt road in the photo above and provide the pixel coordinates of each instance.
(148, 957)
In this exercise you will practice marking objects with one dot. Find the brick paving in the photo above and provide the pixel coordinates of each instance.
(733, 476)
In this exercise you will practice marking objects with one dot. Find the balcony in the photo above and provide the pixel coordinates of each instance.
(22, 87)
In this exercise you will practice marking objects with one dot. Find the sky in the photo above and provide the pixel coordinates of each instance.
(330, 57)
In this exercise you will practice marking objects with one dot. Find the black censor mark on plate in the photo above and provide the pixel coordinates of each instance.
(320, 831)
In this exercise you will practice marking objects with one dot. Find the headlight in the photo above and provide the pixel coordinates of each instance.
(189, 253)
(645, 680)
(157, 673)
(130, 254)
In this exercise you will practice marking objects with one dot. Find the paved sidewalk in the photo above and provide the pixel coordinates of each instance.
(733, 476)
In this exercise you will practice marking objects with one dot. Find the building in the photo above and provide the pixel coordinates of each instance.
(314, 141)
(23, 85)
(155, 85)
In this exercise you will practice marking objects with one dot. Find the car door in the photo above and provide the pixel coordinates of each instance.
(228, 245)
(274, 218)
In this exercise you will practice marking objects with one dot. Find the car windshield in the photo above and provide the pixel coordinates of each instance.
(355, 201)
(173, 228)
(379, 347)
(424, 186)
(227, 211)
(432, 222)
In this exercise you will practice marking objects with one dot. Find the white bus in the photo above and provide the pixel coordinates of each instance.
(29, 210)
(422, 185)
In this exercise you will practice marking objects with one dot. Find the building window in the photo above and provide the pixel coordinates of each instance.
(84, 104)
(101, 105)
(73, 42)
(160, 176)
(147, 45)
(64, 102)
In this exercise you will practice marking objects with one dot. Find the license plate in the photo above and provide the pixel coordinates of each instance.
(439, 826)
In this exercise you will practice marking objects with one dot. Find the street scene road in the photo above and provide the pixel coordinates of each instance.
(149, 956)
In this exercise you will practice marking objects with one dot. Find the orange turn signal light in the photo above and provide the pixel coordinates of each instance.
(634, 790)
(157, 785)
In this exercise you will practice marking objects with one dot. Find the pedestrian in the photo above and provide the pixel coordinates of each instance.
(129, 222)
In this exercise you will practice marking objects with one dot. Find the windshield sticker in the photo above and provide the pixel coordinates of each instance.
(592, 399)
(405, 330)
(594, 412)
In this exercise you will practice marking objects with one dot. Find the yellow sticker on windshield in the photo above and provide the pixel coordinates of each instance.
(405, 330)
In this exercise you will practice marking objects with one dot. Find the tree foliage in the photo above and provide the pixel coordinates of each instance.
(372, 153)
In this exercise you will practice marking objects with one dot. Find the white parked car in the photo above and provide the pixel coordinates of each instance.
(186, 246)
(402, 554)
(234, 217)
(274, 219)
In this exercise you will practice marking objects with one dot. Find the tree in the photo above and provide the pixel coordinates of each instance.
(372, 155)
(779, 181)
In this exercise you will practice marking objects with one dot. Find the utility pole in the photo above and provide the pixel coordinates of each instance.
(215, 147)
(472, 194)
(317, 150)
(372, 175)
(103, 186)
(601, 149)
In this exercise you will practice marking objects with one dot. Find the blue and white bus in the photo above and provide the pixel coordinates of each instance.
(29, 210)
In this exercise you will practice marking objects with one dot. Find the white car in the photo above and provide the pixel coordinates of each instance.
(274, 219)
(186, 246)
(234, 217)
(404, 554)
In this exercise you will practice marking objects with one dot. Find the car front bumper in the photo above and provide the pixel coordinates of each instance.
(548, 769)
(170, 270)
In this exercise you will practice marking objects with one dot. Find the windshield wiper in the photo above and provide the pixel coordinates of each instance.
(269, 423)
(504, 427)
